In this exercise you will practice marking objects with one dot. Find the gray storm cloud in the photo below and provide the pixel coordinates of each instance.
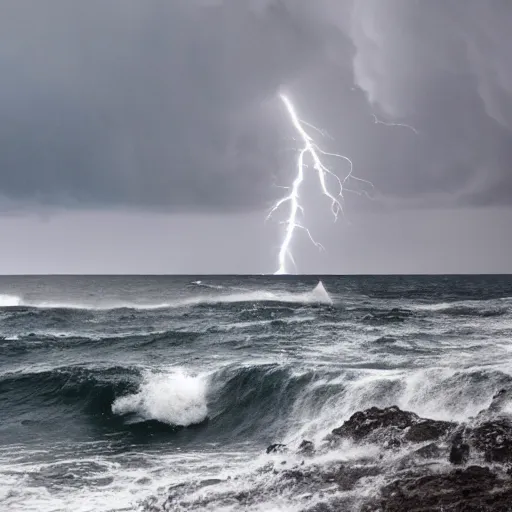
(173, 105)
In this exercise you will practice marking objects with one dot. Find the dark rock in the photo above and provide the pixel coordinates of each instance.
(393, 443)
(428, 430)
(414, 479)
(494, 439)
(320, 507)
(430, 451)
(306, 447)
(470, 490)
(497, 407)
(362, 423)
(347, 476)
(277, 448)
(459, 453)
(501, 399)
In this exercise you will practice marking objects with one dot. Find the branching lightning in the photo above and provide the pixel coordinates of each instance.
(402, 125)
(312, 150)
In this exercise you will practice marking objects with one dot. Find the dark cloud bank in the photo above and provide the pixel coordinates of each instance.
(172, 105)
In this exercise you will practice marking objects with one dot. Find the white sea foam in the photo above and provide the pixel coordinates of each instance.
(318, 295)
(131, 483)
(439, 393)
(9, 300)
(14, 300)
(174, 398)
(206, 285)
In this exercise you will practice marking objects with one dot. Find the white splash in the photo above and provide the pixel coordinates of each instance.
(176, 399)
(9, 301)
(320, 294)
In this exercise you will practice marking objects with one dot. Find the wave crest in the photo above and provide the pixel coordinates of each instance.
(318, 295)
(176, 399)
(7, 301)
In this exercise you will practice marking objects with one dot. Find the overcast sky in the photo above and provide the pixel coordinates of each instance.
(149, 137)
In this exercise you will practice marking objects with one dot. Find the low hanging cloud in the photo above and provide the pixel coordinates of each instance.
(174, 105)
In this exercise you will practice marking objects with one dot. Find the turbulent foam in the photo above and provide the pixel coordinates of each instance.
(7, 301)
(206, 285)
(176, 399)
(437, 393)
(464, 308)
(318, 295)
(272, 379)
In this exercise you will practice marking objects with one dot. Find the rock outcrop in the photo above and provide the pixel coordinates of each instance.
(473, 489)
(402, 463)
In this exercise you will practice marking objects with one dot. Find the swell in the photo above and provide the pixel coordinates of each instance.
(455, 309)
(318, 296)
(473, 311)
(11, 346)
(232, 404)
(235, 395)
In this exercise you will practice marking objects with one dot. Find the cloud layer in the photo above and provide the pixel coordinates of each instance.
(174, 106)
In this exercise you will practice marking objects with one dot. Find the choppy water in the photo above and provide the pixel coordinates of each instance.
(114, 390)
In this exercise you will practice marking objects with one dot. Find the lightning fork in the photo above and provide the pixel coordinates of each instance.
(401, 125)
(311, 149)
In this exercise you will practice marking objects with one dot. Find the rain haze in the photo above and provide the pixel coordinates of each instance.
(149, 137)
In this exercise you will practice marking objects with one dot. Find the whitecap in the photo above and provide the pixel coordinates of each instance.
(9, 300)
(174, 398)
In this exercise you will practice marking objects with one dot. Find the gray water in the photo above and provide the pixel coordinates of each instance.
(117, 391)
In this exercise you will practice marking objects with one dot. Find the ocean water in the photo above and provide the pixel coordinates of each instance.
(117, 393)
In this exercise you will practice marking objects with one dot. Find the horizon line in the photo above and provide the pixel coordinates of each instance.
(381, 274)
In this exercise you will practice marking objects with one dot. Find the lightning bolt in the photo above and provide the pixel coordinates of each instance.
(402, 125)
(312, 150)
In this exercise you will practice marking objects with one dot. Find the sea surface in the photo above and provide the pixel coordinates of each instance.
(162, 393)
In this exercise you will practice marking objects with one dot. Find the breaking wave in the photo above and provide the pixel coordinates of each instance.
(176, 399)
(318, 295)
(263, 402)
(207, 285)
(7, 301)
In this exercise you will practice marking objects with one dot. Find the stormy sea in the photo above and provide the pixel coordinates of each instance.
(255, 393)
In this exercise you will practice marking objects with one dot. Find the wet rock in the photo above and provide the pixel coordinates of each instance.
(393, 444)
(459, 452)
(277, 448)
(494, 440)
(413, 479)
(500, 401)
(430, 451)
(363, 423)
(306, 447)
(346, 476)
(428, 430)
(470, 490)
(499, 407)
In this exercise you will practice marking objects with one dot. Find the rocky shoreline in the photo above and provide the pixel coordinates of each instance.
(476, 474)
(417, 465)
